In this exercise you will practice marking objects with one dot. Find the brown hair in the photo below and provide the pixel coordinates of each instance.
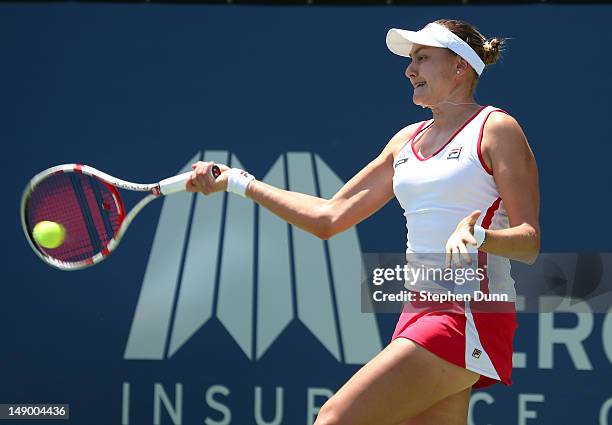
(488, 50)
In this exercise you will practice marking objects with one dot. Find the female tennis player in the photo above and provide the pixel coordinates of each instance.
(467, 180)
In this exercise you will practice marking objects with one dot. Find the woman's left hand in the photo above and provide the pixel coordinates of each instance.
(456, 246)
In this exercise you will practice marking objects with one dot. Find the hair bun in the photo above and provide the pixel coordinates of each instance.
(493, 43)
(492, 50)
(488, 50)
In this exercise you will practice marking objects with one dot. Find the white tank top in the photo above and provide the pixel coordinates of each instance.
(439, 191)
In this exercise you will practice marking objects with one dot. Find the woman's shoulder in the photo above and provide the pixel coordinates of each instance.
(401, 137)
(405, 133)
(502, 133)
(500, 120)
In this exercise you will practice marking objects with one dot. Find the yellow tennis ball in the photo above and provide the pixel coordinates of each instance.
(49, 234)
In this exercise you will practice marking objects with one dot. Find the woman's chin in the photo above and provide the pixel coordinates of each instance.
(420, 101)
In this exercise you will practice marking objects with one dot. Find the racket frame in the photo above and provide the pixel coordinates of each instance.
(165, 187)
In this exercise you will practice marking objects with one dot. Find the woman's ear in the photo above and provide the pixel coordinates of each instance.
(461, 66)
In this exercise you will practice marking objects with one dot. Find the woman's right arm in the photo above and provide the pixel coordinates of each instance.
(364, 194)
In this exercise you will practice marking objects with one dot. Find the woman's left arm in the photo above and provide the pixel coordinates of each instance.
(506, 151)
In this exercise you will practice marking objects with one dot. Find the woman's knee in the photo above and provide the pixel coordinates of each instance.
(330, 414)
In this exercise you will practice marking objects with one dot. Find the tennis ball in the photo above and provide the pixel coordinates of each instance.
(49, 234)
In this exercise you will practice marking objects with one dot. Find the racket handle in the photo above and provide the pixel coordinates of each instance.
(178, 183)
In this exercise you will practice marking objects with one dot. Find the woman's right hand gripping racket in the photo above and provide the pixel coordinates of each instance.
(73, 215)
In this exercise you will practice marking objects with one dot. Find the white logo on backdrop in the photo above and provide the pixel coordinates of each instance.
(210, 258)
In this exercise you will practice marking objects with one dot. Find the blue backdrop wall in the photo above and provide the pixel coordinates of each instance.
(139, 90)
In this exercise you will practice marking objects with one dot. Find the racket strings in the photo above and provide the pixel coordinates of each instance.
(85, 207)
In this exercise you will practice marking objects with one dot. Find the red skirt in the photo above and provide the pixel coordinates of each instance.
(475, 335)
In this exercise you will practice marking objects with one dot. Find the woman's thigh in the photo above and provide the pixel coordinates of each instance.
(453, 410)
(402, 381)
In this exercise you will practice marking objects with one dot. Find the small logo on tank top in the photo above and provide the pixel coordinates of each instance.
(454, 153)
(400, 161)
(476, 353)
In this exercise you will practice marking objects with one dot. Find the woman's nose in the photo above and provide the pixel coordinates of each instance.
(410, 71)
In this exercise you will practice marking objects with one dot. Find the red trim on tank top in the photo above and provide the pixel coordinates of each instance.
(420, 158)
(482, 256)
(418, 130)
(478, 148)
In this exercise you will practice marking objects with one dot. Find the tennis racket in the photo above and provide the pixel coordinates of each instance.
(87, 203)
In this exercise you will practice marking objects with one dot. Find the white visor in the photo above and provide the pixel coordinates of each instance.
(400, 42)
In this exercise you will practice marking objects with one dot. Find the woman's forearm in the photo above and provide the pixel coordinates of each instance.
(307, 212)
(365, 193)
(520, 243)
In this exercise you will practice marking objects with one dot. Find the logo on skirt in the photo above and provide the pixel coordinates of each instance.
(476, 353)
